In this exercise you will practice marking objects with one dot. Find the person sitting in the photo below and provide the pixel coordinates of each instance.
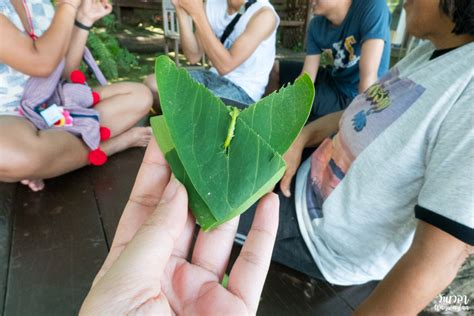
(385, 196)
(29, 155)
(355, 35)
(242, 57)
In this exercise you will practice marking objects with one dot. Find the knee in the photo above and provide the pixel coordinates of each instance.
(150, 82)
(19, 162)
(144, 98)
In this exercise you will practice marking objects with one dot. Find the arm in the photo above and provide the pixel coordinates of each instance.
(311, 65)
(370, 58)
(315, 132)
(259, 28)
(40, 57)
(311, 135)
(191, 47)
(89, 12)
(428, 267)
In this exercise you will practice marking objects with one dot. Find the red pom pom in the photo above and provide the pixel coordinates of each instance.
(95, 98)
(77, 77)
(104, 133)
(97, 157)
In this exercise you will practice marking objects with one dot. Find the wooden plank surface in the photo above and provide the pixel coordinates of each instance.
(112, 185)
(7, 191)
(57, 247)
(288, 292)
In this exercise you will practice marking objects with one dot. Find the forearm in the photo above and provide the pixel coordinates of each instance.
(59, 33)
(427, 268)
(315, 132)
(219, 56)
(407, 289)
(189, 43)
(371, 55)
(366, 81)
(76, 49)
(42, 56)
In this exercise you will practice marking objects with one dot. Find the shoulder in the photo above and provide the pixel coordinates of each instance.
(365, 7)
(265, 16)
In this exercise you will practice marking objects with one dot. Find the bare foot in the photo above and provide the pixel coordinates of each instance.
(34, 185)
(134, 137)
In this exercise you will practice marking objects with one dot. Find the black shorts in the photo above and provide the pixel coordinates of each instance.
(328, 98)
(290, 249)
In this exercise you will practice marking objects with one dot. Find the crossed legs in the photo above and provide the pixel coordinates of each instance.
(31, 155)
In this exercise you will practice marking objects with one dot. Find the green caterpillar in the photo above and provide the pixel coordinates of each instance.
(230, 133)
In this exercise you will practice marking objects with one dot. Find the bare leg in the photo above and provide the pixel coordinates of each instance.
(150, 82)
(123, 105)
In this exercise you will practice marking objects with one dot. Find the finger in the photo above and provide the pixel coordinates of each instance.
(183, 245)
(286, 181)
(151, 181)
(248, 274)
(142, 262)
(212, 249)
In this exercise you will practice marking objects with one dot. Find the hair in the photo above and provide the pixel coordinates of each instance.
(461, 13)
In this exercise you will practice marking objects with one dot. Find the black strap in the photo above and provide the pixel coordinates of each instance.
(230, 27)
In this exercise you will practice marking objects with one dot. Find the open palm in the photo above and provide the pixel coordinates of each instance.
(152, 267)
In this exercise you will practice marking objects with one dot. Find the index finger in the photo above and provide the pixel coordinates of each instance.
(250, 270)
(152, 178)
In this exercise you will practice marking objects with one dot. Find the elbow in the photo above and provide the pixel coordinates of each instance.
(43, 69)
(224, 69)
(193, 59)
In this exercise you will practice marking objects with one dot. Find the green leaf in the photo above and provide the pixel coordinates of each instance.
(224, 182)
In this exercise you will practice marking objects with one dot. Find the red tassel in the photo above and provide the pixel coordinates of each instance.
(97, 157)
(104, 133)
(95, 98)
(77, 76)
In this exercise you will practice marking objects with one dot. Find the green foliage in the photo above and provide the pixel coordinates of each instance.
(109, 22)
(111, 57)
(103, 56)
(224, 182)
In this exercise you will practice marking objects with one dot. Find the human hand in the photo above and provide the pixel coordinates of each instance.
(179, 10)
(148, 270)
(191, 6)
(293, 160)
(91, 11)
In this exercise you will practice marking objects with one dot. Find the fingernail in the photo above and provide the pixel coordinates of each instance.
(287, 193)
(170, 190)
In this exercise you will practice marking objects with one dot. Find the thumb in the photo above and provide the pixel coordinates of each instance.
(286, 181)
(145, 257)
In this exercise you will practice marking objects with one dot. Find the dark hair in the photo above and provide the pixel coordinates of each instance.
(461, 13)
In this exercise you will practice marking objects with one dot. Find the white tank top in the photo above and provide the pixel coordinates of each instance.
(252, 74)
(12, 82)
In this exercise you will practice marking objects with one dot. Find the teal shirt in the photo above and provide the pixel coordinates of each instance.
(366, 19)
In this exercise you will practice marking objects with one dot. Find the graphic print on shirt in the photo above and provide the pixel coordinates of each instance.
(365, 119)
(379, 99)
(345, 56)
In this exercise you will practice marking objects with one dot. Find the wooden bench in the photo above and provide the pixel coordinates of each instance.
(294, 17)
(138, 4)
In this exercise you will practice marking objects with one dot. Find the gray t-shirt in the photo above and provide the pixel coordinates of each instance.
(404, 151)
